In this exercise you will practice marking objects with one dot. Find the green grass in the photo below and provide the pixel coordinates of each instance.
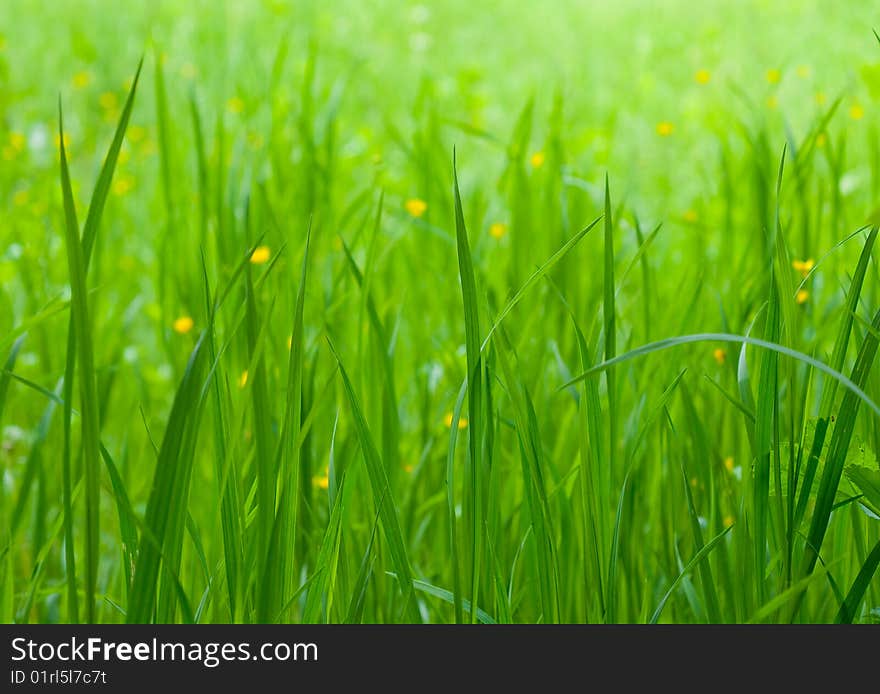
(328, 315)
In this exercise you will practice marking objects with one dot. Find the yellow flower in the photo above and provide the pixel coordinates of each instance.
(720, 355)
(408, 468)
(664, 128)
(17, 141)
(702, 76)
(447, 420)
(728, 520)
(189, 71)
(242, 380)
(20, 197)
(66, 141)
(689, 216)
(136, 133)
(416, 206)
(183, 325)
(821, 139)
(321, 481)
(803, 71)
(772, 102)
(538, 159)
(856, 112)
(235, 104)
(122, 185)
(108, 101)
(803, 266)
(82, 79)
(773, 76)
(728, 463)
(820, 98)
(260, 255)
(497, 230)
(290, 342)
(802, 296)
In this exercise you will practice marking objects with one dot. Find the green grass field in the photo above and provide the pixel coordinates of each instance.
(445, 312)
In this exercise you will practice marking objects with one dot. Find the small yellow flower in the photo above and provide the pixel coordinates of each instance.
(702, 76)
(260, 255)
(415, 206)
(821, 139)
(136, 133)
(183, 325)
(66, 141)
(290, 342)
(242, 380)
(772, 102)
(820, 98)
(321, 481)
(189, 71)
(728, 463)
(694, 482)
(20, 197)
(803, 71)
(773, 76)
(497, 230)
(408, 468)
(690, 216)
(665, 128)
(108, 101)
(235, 104)
(17, 141)
(122, 185)
(538, 159)
(124, 155)
(802, 296)
(720, 355)
(82, 79)
(728, 520)
(447, 420)
(856, 112)
(803, 266)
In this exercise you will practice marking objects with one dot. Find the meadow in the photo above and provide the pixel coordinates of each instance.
(439, 312)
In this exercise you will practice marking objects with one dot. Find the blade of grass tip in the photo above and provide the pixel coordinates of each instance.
(841, 342)
(166, 507)
(474, 380)
(670, 342)
(88, 385)
(320, 595)
(765, 416)
(450, 501)
(838, 448)
(608, 313)
(290, 438)
(857, 591)
(689, 567)
(358, 594)
(382, 495)
(127, 518)
(713, 611)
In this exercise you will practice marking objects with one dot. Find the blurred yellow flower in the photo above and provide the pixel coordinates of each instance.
(17, 141)
(803, 71)
(820, 98)
(447, 420)
(122, 185)
(20, 197)
(408, 468)
(720, 355)
(728, 520)
(242, 380)
(57, 141)
(802, 296)
(416, 206)
(235, 104)
(702, 76)
(82, 79)
(189, 71)
(728, 463)
(690, 216)
(108, 101)
(321, 481)
(136, 133)
(183, 325)
(260, 255)
(497, 230)
(290, 342)
(821, 139)
(772, 102)
(856, 112)
(538, 159)
(773, 76)
(803, 266)
(665, 128)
